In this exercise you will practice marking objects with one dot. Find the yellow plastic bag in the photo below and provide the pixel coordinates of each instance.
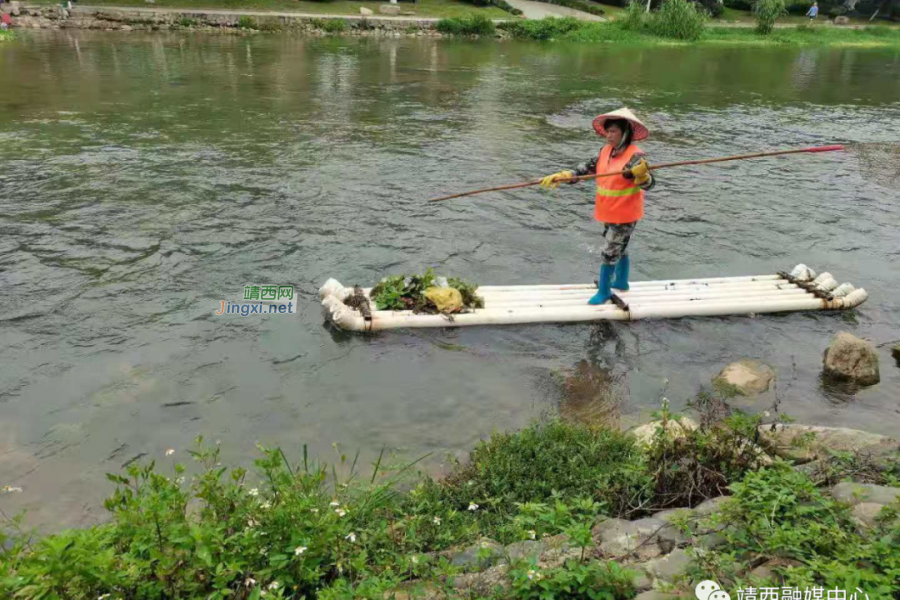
(446, 299)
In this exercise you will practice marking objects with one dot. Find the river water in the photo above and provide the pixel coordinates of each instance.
(146, 178)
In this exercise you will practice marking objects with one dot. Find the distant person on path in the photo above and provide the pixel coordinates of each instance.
(813, 11)
(619, 203)
(5, 21)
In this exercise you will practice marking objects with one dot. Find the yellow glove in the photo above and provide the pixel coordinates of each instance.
(641, 172)
(551, 182)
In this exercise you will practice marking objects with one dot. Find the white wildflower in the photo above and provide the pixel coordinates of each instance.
(415, 560)
(314, 511)
(254, 492)
(334, 504)
(170, 452)
(437, 521)
(103, 597)
(351, 537)
(340, 512)
(9, 489)
(179, 481)
(265, 505)
(273, 586)
(473, 507)
(534, 575)
(532, 534)
(251, 523)
(299, 550)
(249, 582)
(766, 414)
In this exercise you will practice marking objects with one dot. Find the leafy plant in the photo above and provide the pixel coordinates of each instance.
(246, 22)
(778, 512)
(767, 12)
(548, 28)
(679, 19)
(471, 25)
(187, 22)
(573, 581)
(407, 292)
(335, 25)
(547, 461)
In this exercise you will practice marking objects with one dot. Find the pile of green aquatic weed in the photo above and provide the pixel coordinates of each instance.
(407, 292)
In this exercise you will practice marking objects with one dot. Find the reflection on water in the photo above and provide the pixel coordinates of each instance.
(144, 179)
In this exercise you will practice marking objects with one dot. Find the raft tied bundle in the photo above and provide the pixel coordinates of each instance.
(425, 293)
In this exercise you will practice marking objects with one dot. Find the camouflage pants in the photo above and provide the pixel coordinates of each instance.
(617, 236)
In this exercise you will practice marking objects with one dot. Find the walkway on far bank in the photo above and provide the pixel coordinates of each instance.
(539, 10)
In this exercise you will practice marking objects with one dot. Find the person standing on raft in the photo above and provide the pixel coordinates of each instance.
(619, 202)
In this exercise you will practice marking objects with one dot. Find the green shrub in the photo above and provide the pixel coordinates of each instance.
(272, 25)
(766, 13)
(549, 28)
(573, 581)
(187, 22)
(678, 19)
(551, 460)
(471, 25)
(778, 512)
(479, 2)
(335, 25)
(635, 18)
(247, 23)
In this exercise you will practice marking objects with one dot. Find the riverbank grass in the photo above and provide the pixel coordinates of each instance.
(654, 30)
(423, 8)
(299, 529)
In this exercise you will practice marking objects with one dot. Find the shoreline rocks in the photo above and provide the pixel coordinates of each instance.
(744, 378)
(240, 22)
(851, 359)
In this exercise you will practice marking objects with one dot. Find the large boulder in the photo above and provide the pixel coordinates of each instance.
(668, 568)
(389, 9)
(771, 569)
(744, 378)
(842, 20)
(619, 538)
(483, 554)
(366, 12)
(805, 443)
(676, 428)
(858, 493)
(851, 359)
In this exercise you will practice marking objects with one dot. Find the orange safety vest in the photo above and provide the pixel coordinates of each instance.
(619, 200)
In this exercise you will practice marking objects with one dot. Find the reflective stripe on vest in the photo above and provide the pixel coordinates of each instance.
(618, 200)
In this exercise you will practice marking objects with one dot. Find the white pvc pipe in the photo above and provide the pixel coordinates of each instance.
(636, 284)
(644, 299)
(560, 304)
(748, 288)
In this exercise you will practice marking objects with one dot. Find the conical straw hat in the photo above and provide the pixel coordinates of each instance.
(640, 130)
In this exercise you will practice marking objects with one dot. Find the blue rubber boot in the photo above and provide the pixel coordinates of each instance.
(604, 293)
(623, 268)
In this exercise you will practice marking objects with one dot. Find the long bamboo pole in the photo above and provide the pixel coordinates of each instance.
(683, 163)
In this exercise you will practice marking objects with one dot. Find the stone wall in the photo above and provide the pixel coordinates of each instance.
(143, 19)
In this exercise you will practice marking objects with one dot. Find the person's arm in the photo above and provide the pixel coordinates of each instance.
(586, 168)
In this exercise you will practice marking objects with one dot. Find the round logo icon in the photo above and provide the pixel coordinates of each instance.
(705, 589)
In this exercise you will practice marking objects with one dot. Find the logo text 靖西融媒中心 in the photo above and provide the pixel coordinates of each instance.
(269, 300)
(710, 590)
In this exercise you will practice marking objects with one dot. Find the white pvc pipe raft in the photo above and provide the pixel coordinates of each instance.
(801, 290)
